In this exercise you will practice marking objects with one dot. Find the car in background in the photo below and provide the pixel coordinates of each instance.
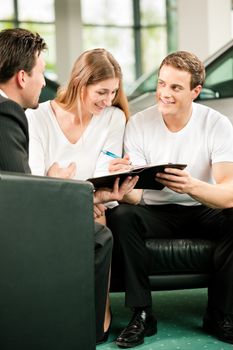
(49, 91)
(217, 91)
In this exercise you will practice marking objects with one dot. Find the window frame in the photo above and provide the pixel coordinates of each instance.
(137, 27)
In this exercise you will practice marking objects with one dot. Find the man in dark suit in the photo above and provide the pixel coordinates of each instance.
(21, 80)
(14, 132)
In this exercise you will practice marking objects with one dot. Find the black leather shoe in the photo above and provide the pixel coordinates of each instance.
(141, 325)
(219, 325)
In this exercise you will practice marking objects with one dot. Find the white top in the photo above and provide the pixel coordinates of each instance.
(206, 139)
(48, 144)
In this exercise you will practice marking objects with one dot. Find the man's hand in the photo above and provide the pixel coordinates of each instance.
(177, 180)
(216, 195)
(117, 192)
(64, 173)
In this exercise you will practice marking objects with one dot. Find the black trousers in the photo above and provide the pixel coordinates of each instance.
(131, 225)
(103, 256)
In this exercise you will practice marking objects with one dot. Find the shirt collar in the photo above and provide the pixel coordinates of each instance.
(3, 93)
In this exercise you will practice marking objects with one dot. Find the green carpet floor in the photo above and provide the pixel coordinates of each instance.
(179, 315)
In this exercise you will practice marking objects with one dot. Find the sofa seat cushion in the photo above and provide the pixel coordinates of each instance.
(180, 255)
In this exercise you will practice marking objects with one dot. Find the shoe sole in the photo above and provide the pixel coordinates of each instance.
(131, 345)
(148, 333)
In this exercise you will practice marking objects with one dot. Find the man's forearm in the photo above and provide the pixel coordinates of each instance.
(214, 195)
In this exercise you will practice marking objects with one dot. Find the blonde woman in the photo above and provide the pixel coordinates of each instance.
(69, 133)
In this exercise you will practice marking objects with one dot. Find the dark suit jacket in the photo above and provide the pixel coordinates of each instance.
(14, 137)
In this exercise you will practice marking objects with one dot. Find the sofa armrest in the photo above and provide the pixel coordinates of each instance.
(46, 263)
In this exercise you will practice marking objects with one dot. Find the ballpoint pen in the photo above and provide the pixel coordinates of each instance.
(110, 154)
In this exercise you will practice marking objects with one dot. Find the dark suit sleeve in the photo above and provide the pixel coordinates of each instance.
(13, 138)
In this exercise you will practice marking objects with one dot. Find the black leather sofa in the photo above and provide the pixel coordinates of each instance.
(176, 264)
(46, 264)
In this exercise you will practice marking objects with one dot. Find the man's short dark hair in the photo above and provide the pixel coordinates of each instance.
(188, 62)
(18, 50)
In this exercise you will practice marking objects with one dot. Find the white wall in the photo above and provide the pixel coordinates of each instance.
(203, 25)
(68, 36)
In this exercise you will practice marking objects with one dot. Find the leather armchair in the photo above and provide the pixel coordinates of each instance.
(46, 264)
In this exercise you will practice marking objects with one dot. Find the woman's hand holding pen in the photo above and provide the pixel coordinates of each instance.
(123, 164)
(120, 164)
(117, 163)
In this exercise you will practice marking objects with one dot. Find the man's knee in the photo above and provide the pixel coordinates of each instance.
(120, 215)
(125, 223)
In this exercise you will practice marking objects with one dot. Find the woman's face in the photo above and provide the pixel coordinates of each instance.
(98, 96)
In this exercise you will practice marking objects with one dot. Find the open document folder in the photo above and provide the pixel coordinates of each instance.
(146, 175)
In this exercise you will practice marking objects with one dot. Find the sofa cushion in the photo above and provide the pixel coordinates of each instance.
(180, 255)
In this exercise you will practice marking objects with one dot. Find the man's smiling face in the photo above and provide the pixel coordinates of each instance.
(174, 95)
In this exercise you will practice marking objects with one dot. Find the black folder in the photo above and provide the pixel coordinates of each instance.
(146, 175)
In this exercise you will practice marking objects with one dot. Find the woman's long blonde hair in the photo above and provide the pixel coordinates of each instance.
(92, 67)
